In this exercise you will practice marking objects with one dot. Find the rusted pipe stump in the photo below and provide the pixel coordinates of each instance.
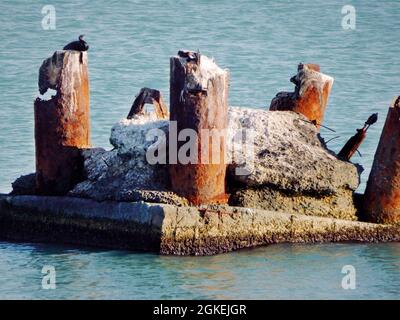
(199, 101)
(151, 96)
(382, 195)
(62, 125)
(352, 145)
(312, 89)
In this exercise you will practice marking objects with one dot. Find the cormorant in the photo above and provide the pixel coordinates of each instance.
(79, 45)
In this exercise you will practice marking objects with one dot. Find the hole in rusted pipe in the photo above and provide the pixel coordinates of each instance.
(48, 95)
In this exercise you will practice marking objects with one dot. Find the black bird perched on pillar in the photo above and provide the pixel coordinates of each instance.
(371, 120)
(79, 45)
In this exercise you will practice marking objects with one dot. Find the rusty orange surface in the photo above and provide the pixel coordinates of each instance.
(201, 183)
(382, 195)
(62, 128)
(310, 97)
(313, 103)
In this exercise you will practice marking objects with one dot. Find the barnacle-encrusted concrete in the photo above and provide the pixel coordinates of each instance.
(170, 229)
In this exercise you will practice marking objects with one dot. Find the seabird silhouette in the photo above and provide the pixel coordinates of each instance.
(79, 45)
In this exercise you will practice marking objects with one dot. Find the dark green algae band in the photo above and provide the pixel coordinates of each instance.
(169, 229)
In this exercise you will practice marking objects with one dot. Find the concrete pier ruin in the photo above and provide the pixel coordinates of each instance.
(293, 190)
(168, 229)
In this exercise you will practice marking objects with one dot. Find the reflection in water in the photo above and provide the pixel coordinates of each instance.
(274, 272)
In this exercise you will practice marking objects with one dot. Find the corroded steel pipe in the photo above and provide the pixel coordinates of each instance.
(310, 96)
(152, 96)
(198, 101)
(62, 123)
(382, 195)
(355, 141)
(352, 144)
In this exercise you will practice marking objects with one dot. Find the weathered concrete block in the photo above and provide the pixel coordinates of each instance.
(288, 156)
(24, 185)
(338, 205)
(168, 229)
(124, 174)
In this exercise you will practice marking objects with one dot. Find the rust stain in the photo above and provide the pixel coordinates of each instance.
(382, 195)
(62, 128)
(310, 96)
(197, 109)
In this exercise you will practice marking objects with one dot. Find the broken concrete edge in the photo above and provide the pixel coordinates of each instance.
(68, 220)
(167, 229)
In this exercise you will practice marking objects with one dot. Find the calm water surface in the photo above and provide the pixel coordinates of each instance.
(261, 42)
(273, 272)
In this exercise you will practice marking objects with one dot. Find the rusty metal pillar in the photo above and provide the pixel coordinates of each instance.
(199, 101)
(310, 96)
(62, 125)
(355, 141)
(382, 195)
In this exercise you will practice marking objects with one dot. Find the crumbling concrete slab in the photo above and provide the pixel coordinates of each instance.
(169, 229)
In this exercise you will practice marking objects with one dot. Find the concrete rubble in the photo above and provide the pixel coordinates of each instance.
(292, 171)
(123, 173)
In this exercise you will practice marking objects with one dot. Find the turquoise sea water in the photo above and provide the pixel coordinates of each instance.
(261, 42)
(274, 272)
